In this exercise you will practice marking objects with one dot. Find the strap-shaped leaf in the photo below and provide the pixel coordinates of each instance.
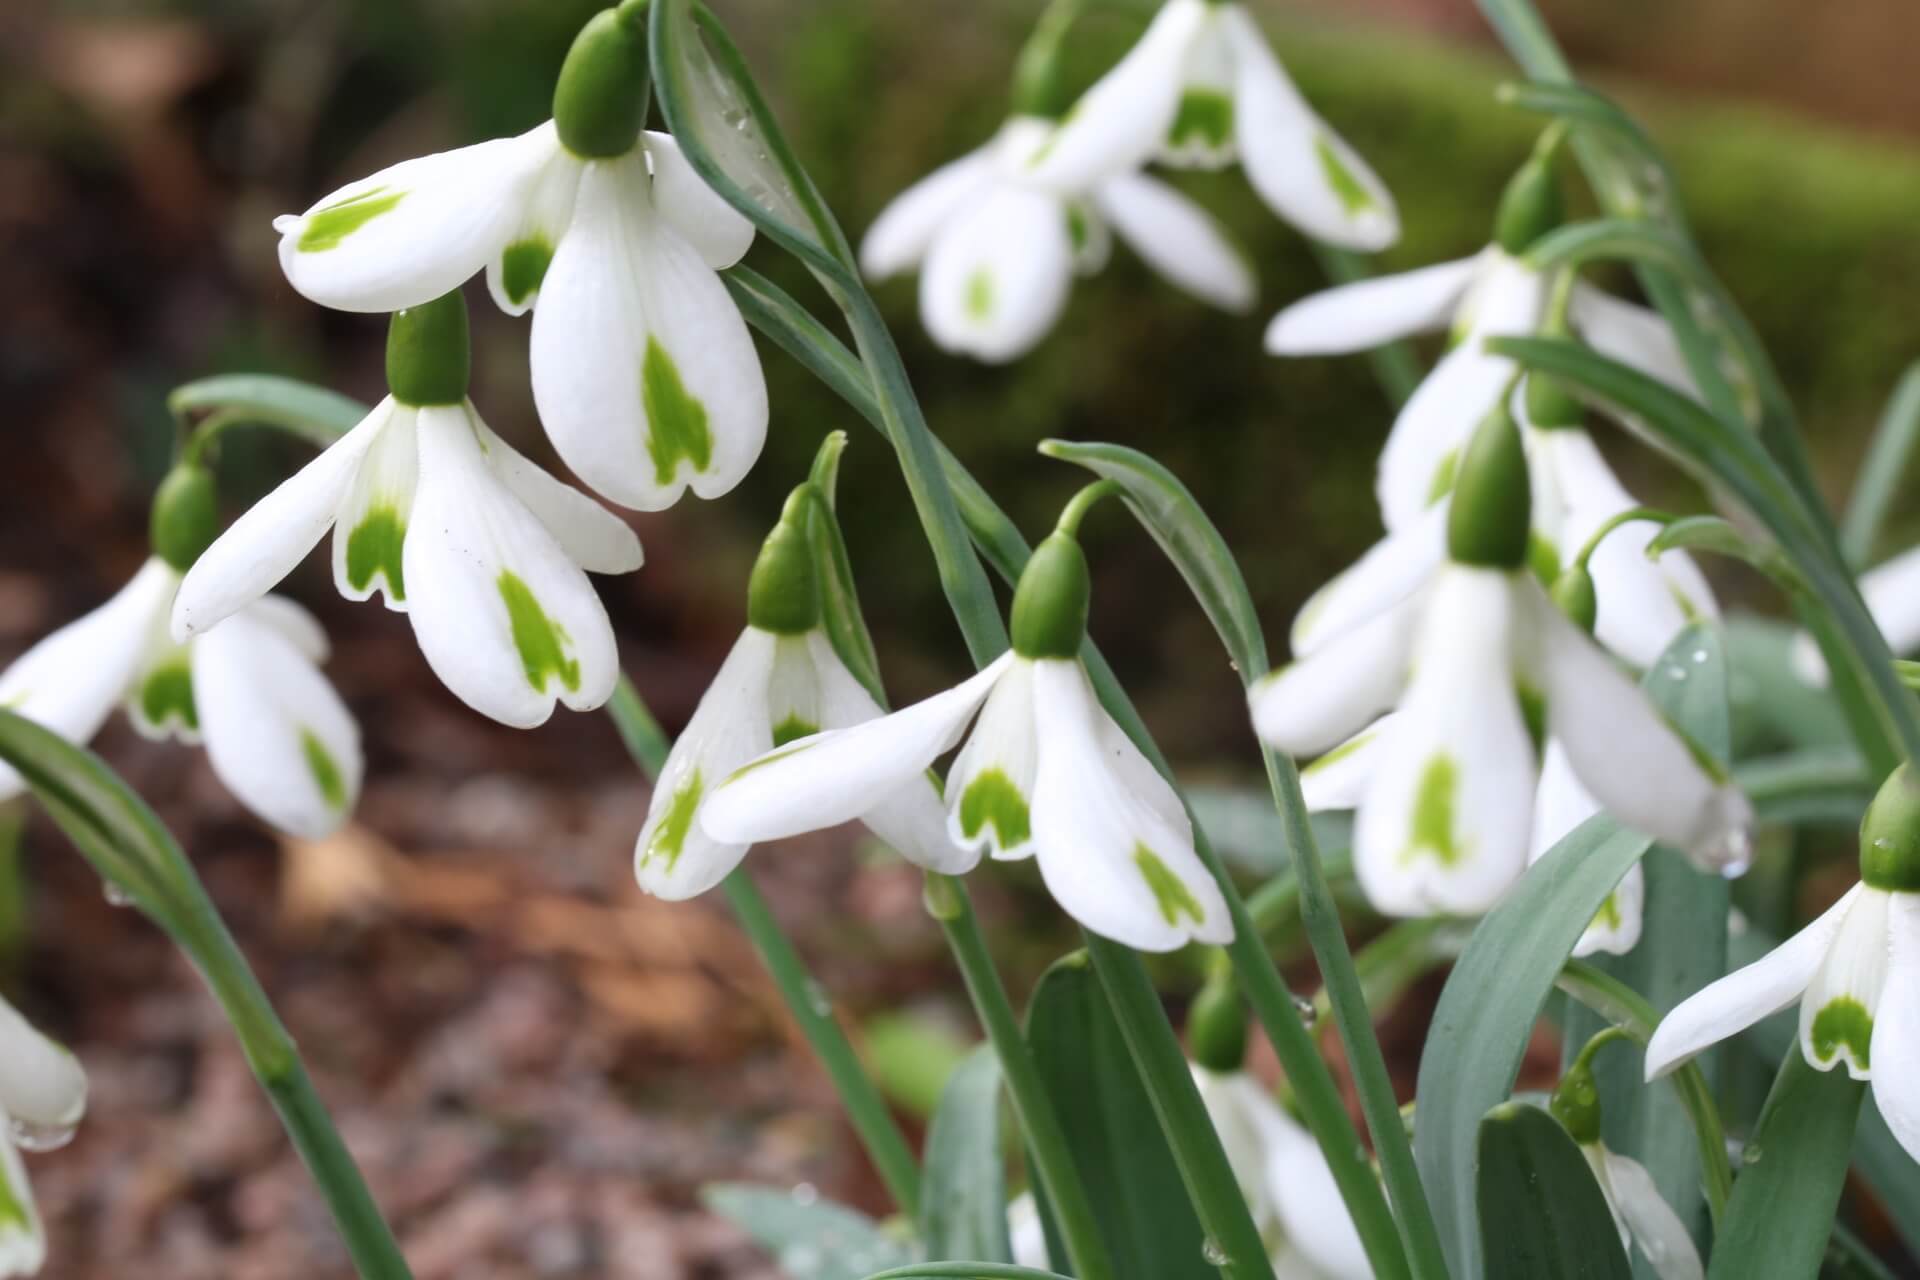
(963, 1211)
(1541, 1211)
(319, 414)
(965, 1271)
(1883, 471)
(811, 1238)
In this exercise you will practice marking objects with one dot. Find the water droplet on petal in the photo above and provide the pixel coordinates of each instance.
(29, 1136)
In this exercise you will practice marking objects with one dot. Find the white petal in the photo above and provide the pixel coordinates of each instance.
(1443, 828)
(1651, 1221)
(1368, 313)
(277, 734)
(911, 819)
(1631, 334)
(997, 277)
(1109, 855)
(70, 681)
(1392, 570)
(900, 236)
(1896, 1034)
(506, 620)
(674, 857)
(371, 525)
(1243, 1114)
(990, 787)
(295, 624)
(1746, 995)
(1560, 804)
(518, 265)
(414, 230)
(1635, 764)
(643, 371)
(23, 1240)
(1123, 119)
(1311, 705)
(1840, 1005)
(1892, 592)
(1025, 1232)
(719, 232)
(41, 1082)
(1179, 239)
(836, 776)
(275, 534)
(592, 536)
(1303, 169)
(1311, 1208)
(1339, 779)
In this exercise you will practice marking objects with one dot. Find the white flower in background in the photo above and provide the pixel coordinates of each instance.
(1114, 844)
(43, 1094)
(276, 733)
(1560, 804)
(998, 252)
(1200, 87)
(643, 371)
(1892, 592)
(1642, 1215)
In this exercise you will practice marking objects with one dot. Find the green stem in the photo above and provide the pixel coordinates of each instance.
(805, 999)
(203, 438)
(1628, 516)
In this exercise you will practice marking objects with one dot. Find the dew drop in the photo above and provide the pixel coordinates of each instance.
(1308, 1011)
(818, 1000)
(1216, 1256)
(802, 1261)
(1699, 655)
(29, 1136)
(1751, 1155)
(805, 1193)
(1737, 853)
(115, 895)
(1675, 672)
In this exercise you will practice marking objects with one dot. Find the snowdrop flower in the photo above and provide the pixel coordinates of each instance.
(1481, 667)
(1201, 86)
(998, 252)
(1855, 971)
(1113, 841)
(43, 1094)
(276, 733)
(643, 372)
(486, 553)
(1892, 593)
(1492, 294)
(783, 681)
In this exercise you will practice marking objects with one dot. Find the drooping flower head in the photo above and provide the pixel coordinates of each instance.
(485, 552)
(43, 1095)
(643, 371)
(276, 732)
(782, 682)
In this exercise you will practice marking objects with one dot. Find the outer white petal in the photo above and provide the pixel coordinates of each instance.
(414, 230)
(506, 620)
(295, 624)
(1311, 1208)
(1630, 334)
(674, 857)
(1312, 705)
(1746, 995)
(1896, 1033)
(1444, 825)
(1632, 761)
(997, 276)
(23, 1241)
(1560, 805)
(41, 1082)
(1110, 856)
(1650, 1220)
(70, 680)
(836, 776)
(1179, 239)
(900, 236)
(1359, 316)
(277, 734)
(1392, 570)
(990, 787)
(1244, 1114)
(592, 536)
(275, 534)
(718, 231)
(370, 524)
(1123, 119)
(1025, 1232)
(912, 818)
(643, 371)
(1892, 592)
(1847, 986)
(1303, 169)
(1339, 779)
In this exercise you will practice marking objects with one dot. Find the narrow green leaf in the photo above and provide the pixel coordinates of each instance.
(1883, 470)
(833, 572)
(811, 1238)
(1711, 533)
(963, 1211)
(965, 1271)
(324, 415)
(1542, 1215)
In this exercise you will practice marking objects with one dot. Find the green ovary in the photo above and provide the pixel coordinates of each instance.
(1205, 118)
(1347, 187)
(792, 729)
(1433, 814)
(325, 770)
(373, 550)
(676, 422)
(1175, 898)
(523, 266)
(669, 839)
(1843, 1023)
(166, 696)
(993, 798)
(327, 227)
(541, 641)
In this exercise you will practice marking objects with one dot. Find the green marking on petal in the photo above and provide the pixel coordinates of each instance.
(1079, 232)
(327, 227)
(373, 550)
(1169, 891)
(776, 754)
(1433, 814)
(1533, 710)
(676, 421)
(1205, 118)
(1843, 1023)
(1543, 558)
(14, 1215)
(1339, 753)
(669, 839)
(325, 770)
(1442, 483)
(1688, 609)
(523, 266)
(1608, 916)
(1352, 194)
(166, 696)
(993, 798)
(541, 641)
(979, 302)
(792, 729)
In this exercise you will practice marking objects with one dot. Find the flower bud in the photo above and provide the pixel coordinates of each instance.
(1576, 1103)
(185, 517)
(1573, 592)
(1217, 1026)
(600, 102)
(1551, 405)
(780, 595)
(1488, 526)
(1890, 835)
(1050, 604)
(1530, 207)
(428, 356)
